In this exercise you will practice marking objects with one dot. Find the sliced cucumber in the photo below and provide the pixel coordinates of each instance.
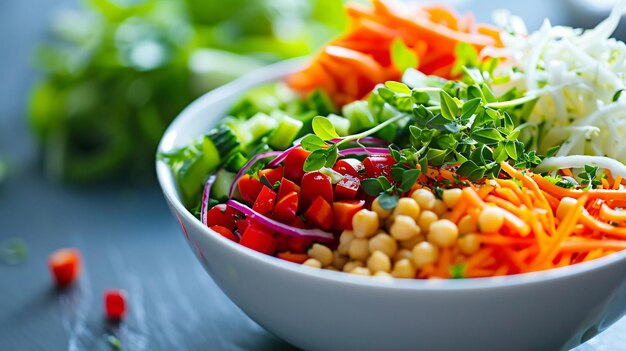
(221, 187)
(359, 116)
(235, 162)
(342, 125)
(285, 133)
(259, 125)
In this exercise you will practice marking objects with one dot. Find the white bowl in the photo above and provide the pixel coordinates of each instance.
(325, 310)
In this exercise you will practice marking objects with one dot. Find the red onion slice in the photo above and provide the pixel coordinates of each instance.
(206, 194)
(247, 166)
(282, 228)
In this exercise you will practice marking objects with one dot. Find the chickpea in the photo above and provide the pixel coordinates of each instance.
(425, 219)
(403, 269)
(339, 260)
(361, 271)
(408, 207)
(440, 208)
(468, 244)
(311, 262)
(383, 242)
(344, 241)
(425, 253)
(404, 227)
(451, 197)
(321, 253)
(424, 198)
(409, 243)
(381, 212)
(443, 233)
(351, 265)
(365, 223)
(381, 274)
(402, 254)
(359, 249)
(567, 204)
(467, 225)
(490, 219)
(378, 261)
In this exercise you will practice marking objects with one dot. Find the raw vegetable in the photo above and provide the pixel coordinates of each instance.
(381, 42)
(115, 304)
(64, 266)
(578, 76)
(117, 72)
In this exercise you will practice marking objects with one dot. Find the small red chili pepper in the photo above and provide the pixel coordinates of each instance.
(115, 304)
(64, 265)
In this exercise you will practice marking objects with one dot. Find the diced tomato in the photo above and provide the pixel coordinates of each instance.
(114, 304)
(298, 222)
(320, 213)
(293, 257)
(285, 210)
(242, 224)
(344, 211)
(298, 244)
(264, 203)
(281, 245)
(222, 215)
(249, 188)
(347, 188)
(225, 232)
(350, 166)
(272, 174)
(294, 163)
(259, 239)
(376, 166)
(315, 184)
(64, 265)
(286, 187)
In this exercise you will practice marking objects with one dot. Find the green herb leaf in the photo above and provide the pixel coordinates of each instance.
(469, 107)
(487, 136)
(449, 108)
(553, 150)
(617, 95)
(409, 178)
(388, 201)
(402, 56)
(371, 186)
(312, 142)
(324, 128)
(398, 87)
(316, 160)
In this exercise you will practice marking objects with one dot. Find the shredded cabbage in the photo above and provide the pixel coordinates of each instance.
(576, 74)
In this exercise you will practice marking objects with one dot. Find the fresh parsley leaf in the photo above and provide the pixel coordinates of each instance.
(324, 128)
(312, 142)
(316, 160)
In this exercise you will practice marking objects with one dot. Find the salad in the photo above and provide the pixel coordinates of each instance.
(420, 144)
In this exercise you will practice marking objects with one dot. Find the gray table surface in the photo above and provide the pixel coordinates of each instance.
(126, 234)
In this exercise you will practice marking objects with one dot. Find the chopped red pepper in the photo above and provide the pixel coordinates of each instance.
(225, 232)
(264, 203)
(294, 163)
(347, 188)
(115, 304)
(222, 215)
(64, 265)
(285, 209)
(242, 224)
(344, 211)
(320, 213)
(315, 184)
(286, 187)
(293, 257)
(249, 188)
(298, 244)
(273, 175)
(259, 239)
(350, 166)
(376, 166)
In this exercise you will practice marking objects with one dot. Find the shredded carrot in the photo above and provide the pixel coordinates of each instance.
(612, 215)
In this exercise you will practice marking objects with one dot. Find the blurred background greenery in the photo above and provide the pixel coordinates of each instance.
(116, 72)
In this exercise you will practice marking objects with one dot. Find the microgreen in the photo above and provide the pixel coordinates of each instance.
(588, 177)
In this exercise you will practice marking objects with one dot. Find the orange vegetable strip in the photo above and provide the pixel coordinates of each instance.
(565, 259)
(564, 230)
(593, 254)
(458, 211)
(593, 194)
(509, 195)
(443, 266)
(617, 182)
(604, 228)
(586, 245)
(612, 215)
(471, 196)
(515, 223)
(478, 258)
(502, 203)
(501, 240)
